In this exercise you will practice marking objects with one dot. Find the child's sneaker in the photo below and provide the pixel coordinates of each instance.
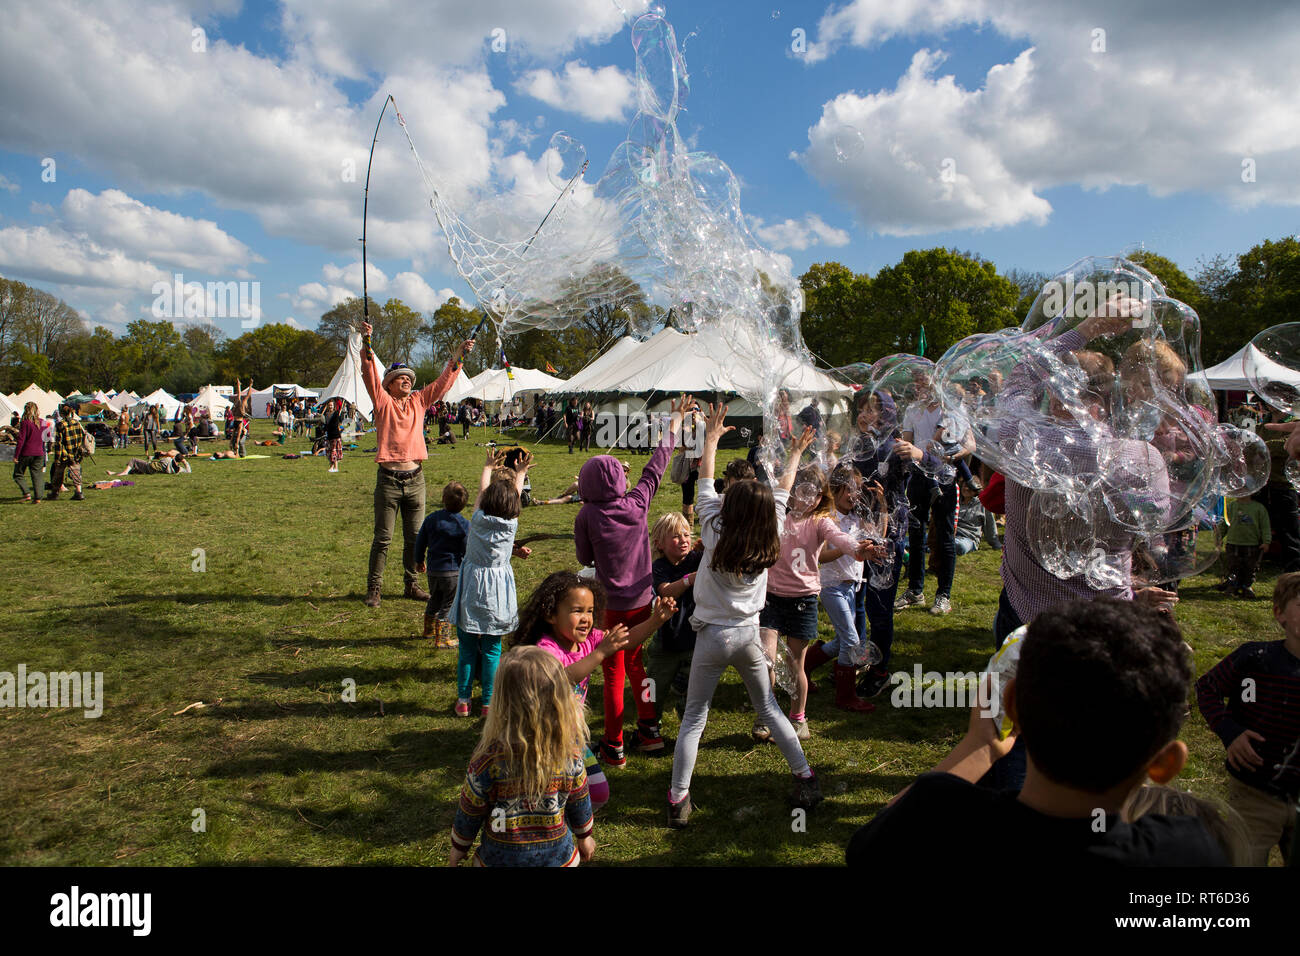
(873, 681)
(679, 813)
(462, 708)
(760, 733)
(611, 755)
(807, 792)
(801, 728)
(649, 739)
(910, 598)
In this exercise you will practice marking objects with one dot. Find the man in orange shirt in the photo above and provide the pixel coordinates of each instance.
(399, 484)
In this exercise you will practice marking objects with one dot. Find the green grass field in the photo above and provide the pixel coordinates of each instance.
(285, 772)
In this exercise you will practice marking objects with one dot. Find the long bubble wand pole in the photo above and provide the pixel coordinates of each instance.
(365, 210)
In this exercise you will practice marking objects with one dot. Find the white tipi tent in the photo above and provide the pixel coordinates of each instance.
(215, 404)
(461, 389)
(7, 409)
(167, 403)
(347, 383)
(46, 402)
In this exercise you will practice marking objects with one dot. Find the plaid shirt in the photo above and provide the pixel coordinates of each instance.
(69, 440)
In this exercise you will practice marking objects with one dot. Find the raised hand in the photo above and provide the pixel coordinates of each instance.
(665, 608)
(714, 422)
(366, 329)
(615, 639)
(803, 442)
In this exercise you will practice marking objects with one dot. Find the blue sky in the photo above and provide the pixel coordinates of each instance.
(222, 163)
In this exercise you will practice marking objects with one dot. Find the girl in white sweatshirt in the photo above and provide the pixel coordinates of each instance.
(741, 537)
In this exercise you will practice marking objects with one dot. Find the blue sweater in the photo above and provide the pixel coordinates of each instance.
(441, 542)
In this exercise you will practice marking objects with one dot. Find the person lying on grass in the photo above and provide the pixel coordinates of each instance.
(162, 463)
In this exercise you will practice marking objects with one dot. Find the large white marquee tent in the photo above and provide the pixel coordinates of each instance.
(702, 362)
(1230, 374)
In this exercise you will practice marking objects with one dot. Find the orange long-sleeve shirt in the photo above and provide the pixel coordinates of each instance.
(400, 425)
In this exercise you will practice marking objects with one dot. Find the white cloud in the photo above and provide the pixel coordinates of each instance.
(799, 235)
(601, 95)
(50, 254)
(1162, 106)
(8, 185)
(114, 219)
(344, 282)
(417, 293)
(352, 40)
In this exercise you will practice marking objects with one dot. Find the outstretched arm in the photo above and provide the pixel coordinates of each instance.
(797, 448)
(485, 479)
(715, 428)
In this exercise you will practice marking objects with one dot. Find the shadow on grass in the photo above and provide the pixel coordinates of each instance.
(407, 752)
(364, 708)
(364, 677)
(223, 597)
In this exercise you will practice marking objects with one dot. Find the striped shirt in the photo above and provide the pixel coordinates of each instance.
(516, 830)
(1030, 587)
(1269, 705)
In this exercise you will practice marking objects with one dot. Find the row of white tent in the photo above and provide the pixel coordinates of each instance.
(669, 362)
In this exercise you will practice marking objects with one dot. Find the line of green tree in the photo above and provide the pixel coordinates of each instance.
(848, 317)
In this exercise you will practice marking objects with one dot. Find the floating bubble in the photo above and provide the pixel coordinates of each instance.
(865, 654)
(1164, 559)
(783, 668)
(566, 158)
(849, 144)
(1244, 461)
(1272, 366)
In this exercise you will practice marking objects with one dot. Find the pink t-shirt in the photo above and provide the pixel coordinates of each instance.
(399, 426)
(578, 653)
(797, 573)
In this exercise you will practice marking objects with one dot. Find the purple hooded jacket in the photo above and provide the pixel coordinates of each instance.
(611, 529)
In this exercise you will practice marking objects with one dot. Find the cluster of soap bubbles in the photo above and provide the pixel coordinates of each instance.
(1098, 406)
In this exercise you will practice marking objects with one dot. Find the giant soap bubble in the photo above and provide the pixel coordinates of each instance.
(1272, 366)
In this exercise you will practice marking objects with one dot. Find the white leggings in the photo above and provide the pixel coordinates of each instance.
(717, 648)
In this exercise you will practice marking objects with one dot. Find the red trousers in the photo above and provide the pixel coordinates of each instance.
(613, 668)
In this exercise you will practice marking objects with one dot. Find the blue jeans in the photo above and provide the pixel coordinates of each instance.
(478, 655)
(840, 601)
(964, 546)
(945, 515)
(876, 607)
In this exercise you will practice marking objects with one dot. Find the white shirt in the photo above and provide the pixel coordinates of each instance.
(922, 423)
(724, 598)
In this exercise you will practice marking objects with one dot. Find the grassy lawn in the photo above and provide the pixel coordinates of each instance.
(286, 772)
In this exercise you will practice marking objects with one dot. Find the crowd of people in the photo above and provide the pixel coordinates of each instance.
(660, 609)
(665, 613)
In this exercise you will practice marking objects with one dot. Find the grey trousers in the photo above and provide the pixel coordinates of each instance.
(396, 494)
(716, 649)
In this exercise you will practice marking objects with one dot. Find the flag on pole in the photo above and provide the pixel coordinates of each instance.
(920, 342)
(551, 369)
(505, 362)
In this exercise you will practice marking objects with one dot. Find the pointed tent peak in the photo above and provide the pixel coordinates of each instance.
(347, 382)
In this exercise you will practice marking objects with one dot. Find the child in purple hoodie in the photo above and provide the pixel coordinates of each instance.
(611, 532)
